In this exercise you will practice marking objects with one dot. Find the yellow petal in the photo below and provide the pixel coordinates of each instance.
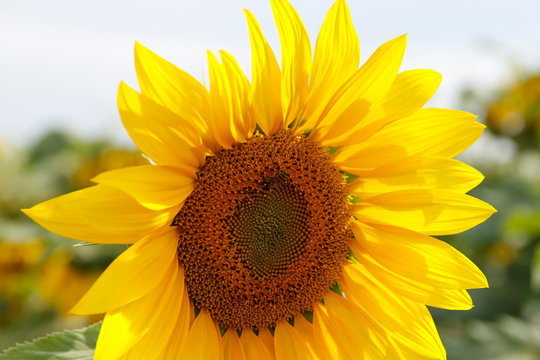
(204, 340)
(305, 329)
(288, 343)
(162, 135)
(100, 214)
(418, 256)
(357, 335)
(429, 132)
(266, 80)
(133, 274)
(409, 91)
(451, 299)
(407, 322)
(365, 87)
(336, 58)
(143, 327)
(295, 59)
(229, 90)
(254, 346)
(156, 187)
(179, 336)
(232, 348)
(243, 119)
(436, 263)
(171, 87)
(427, 211)
(428, 172)
(324, 341)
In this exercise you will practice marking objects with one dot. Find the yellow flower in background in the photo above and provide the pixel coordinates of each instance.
(286, 218)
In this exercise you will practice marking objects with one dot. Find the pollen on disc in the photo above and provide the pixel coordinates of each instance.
(265, 231)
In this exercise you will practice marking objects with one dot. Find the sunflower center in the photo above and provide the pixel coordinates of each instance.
(269, 227)
(264, 233)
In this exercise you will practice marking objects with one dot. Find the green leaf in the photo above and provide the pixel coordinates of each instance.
(65, 345)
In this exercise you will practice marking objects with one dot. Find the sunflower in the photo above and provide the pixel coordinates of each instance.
(284, 218)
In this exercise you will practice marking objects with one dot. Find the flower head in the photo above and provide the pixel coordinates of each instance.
(284, 218)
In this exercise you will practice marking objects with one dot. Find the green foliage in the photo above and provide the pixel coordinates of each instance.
(65, 345)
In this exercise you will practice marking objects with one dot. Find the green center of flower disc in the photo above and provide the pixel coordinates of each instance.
(269, 227)
(265, 231)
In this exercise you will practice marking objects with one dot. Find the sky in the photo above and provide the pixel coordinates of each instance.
(61, 61)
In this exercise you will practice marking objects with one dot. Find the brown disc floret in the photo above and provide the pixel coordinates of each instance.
(264, 233)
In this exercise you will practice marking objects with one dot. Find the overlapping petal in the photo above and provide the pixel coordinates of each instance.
(421, 172)
(156, 187)
(172, 87)
(429, 132)
(232, 347)
(336, 58)
(305, 329)
(178, 337)
(266, 80)
(427, 211)
(254, 346)
(409, 91)
(325, 343)
(415, 289)
(100, 214)
(142, 329)
(407, 322)
(355, 333)
(132, 275)
(232, 120)
(203, 340)
(289, 344)
(435, 262)
(361, 90)
(295, 59)
(161, 134)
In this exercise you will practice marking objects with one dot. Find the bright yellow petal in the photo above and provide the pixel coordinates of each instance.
(429, 132)
(288, 343)
(336, 58)
(295, 59)
(409, 91)
(324, 341)
(162, 135)
(254, 346)
(357, 336)
(100, 214)
(143, 327)
(427, 211)
(366, 86)
(305, 329)
(428, 172)
(156, 187)
(266, 80)
(229, 91)
(204, 340)
(407, 322)
(133, 274)
(244, 121)
(418, 256)
(416, 290)
(171, 87)
(179, 336)
(232, 348)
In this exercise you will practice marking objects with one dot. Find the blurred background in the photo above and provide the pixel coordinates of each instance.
(61, 63)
